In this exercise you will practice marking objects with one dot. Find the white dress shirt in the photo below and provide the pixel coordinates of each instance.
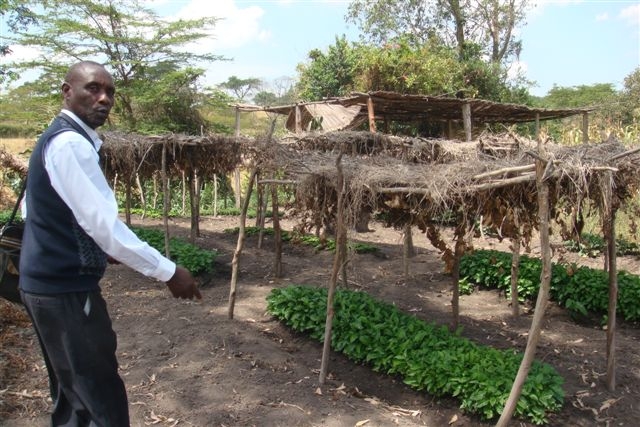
(75, 174)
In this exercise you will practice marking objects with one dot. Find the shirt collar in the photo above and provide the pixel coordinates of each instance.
(95, 138)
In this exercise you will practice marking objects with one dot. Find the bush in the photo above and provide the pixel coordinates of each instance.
(194, 259)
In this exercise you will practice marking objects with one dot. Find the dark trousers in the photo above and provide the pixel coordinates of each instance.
(79, 348)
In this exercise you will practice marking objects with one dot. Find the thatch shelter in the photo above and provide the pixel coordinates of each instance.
(514, 184)
(132, 158)
(447, 113)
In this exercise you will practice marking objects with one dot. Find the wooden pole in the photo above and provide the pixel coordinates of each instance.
(543, 295)
(585, 128)
(372, 115)
(236, 172)
(240, 245)
(466, 119)
(609, 215)
(337, 261)
(408, 250)
(184, 190)
(166, 201)
(458, 251)
(154, 201)
(515, 265)
(277, 232)
(215, 195)
(537, 131)
(143, 199)
(127, 201)
(298, 119)
(261, 208)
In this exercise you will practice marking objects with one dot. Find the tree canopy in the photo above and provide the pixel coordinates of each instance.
(129, 39)
(18, 17)
(459, 24)
(241, 88)
(402, 66)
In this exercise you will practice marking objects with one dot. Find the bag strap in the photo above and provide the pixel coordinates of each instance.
(17, 205)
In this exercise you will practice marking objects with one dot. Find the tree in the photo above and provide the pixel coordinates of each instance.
(329, 74)
(168, 100)
(25, 111)
(17, 17)
(241, 88)
(596, 95)
(125, 36)
(401, 66)
(265, 98)
(459, 24)
(630, 98)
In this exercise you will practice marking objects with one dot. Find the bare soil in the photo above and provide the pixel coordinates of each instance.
(186, 363)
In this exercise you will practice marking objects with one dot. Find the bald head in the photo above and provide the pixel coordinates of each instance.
(88, 92)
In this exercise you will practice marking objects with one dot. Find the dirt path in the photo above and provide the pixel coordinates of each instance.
(187, 364)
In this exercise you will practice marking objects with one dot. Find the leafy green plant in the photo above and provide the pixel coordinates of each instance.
(593, 245)
(308, 239)
(5, 215)
(191, 257)
(581, 290)
(427, 356)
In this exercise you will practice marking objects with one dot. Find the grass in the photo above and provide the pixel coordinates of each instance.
(18, 146)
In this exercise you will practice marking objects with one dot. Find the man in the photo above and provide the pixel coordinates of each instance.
(72, 230)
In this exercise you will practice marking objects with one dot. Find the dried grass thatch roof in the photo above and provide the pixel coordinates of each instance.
(414, 180)
(127, 154)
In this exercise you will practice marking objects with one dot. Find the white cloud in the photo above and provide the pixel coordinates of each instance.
(22, 53)
(631, 14)
(602, 17)
(237, 26)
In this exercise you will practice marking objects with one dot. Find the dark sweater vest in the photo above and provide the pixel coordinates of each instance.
(57, 256)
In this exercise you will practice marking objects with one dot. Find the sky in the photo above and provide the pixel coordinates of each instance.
(565, 42)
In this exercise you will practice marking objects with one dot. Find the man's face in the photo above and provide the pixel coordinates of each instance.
(89, 94)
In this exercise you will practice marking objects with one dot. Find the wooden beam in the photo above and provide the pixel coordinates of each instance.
(277, 181)
(525, 168)
(625, 154)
